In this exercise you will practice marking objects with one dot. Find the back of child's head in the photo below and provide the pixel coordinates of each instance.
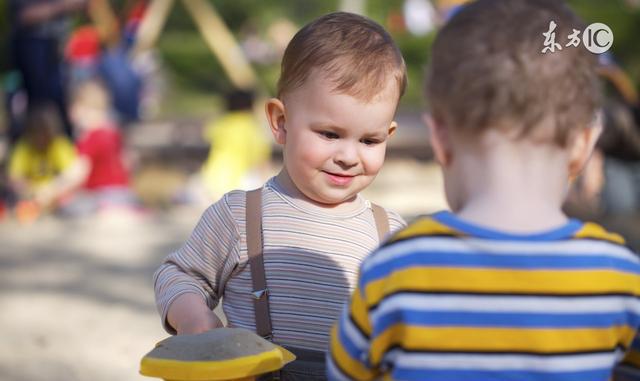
(488, 71)
(353, 52)
(42, 125)
(240, 100)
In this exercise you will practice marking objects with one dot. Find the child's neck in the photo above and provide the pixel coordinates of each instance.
(95, 119)
(288, 186)
(517, 187)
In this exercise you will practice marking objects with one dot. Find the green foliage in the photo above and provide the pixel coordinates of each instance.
(191, 62)
(195, 71)
(625, 25)
(192, 66)
(416, 55)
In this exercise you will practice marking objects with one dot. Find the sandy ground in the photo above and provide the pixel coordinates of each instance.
(76, 297)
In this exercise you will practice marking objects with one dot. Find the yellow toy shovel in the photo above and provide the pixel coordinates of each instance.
(219, 354)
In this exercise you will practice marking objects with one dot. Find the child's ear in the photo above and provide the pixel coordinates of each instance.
(581, 147)
(274, 108)
(392, 128)
(439, 138)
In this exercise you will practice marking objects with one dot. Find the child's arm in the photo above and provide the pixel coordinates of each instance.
(64, 184)
(348, 357)
(396, 222)
(187, 283)
(17, 171)
(189, 314)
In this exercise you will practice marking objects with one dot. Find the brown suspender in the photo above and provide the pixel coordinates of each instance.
(382, 221)
(256, 261)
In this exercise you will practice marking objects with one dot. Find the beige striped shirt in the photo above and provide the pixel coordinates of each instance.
(311, 258)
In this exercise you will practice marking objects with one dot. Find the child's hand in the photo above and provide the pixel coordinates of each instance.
(198, 324)
(188, 314)
(45, 196)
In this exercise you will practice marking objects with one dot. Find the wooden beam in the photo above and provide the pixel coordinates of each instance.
(152, 24)
(105, 21)
(222, 43)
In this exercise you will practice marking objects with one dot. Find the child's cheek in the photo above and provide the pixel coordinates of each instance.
(375, 160)
(311, 154)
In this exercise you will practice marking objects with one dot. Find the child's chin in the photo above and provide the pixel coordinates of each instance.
(334, 199)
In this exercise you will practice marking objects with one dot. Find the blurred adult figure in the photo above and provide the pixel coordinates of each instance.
(620, 142)
(38, 28)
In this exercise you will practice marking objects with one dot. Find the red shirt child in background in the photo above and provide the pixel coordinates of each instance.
(99, 139)
(100, 146)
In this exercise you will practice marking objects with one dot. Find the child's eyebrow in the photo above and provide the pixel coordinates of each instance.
(331, 126)
(383, 133)
(376, 134)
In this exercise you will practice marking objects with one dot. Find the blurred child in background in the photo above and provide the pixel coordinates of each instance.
(240, 151)
(105, 181)
(43, 164)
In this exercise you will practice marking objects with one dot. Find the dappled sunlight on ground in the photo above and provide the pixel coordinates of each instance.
(77, 295)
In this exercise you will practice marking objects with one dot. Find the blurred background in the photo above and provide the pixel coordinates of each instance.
(122, 120)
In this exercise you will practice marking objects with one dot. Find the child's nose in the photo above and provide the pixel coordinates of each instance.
(346, 155)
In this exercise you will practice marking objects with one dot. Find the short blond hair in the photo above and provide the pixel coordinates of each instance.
(356, 53)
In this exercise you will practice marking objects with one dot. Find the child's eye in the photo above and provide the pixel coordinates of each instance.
(329, 134)
(370, 142)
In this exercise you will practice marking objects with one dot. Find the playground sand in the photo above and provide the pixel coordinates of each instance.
(77, 296)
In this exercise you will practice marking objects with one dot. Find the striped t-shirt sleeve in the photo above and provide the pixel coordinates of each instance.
(396, 222)
(195, 267)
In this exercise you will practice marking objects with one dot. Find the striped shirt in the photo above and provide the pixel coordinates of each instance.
(447, 300)
(311, 258)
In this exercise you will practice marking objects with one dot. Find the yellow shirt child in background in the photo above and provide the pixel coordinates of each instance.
(37, 168)
(42, 163)
(239, 151)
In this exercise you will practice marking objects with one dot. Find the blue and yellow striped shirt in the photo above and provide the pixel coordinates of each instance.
(447, 300)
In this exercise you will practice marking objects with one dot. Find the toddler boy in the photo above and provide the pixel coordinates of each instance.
(504, 287)
(341, 79)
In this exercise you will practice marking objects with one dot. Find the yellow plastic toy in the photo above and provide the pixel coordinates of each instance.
(219, 354)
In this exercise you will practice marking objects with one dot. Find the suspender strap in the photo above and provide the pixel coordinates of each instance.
(382, 221)
(256, 263)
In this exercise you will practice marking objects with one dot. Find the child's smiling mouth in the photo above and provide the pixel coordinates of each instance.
(339, 179)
